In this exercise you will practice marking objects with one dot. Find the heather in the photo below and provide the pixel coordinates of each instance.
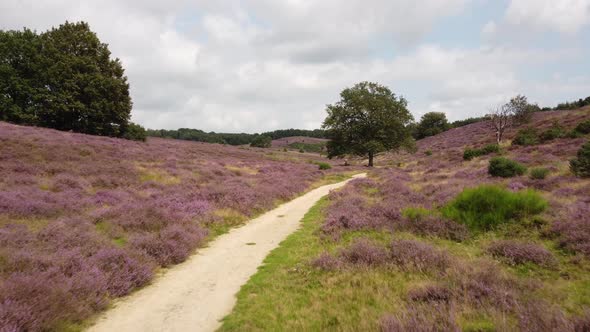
(433, 242)
(85, 219)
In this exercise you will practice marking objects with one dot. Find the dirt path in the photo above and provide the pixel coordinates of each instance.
(195, 295)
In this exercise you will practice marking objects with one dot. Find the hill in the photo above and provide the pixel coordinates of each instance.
(433, 242)
(85, 219)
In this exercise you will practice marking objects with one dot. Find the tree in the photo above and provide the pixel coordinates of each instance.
(522, 110)
(502, 118)
(367, 120)
(261, 141)
(580, 165)
(64, 79)
(430, 124)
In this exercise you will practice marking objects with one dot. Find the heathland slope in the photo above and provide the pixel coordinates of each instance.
(197, 294)
(85, 219)
(434, 242)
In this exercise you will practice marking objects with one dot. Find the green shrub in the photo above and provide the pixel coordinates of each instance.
(583, 127)
(526, 136)
(415, 213)
(556, 131)
(301, 151)
(261, 141)
(539, 173)
(469, 154)
(133, 131)
(324, 166)
(487, 206)
(491, 148)
(504, 167)
(580, 166)
(428, 153)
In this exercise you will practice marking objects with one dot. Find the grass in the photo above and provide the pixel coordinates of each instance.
(485, 207)
(288, 294)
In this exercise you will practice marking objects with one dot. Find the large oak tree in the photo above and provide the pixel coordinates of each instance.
(368, 119)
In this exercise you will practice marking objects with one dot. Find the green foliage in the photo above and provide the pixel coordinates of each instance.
(522, 110)
(133, 131)
(464, 122)
(469, 153)
(583, 127)
(415, 213)
(580, 165)
(324, 166)
(555, 131)
(504, 167)
(526, 136)
(64, 79)
(485, 207)
(431, 124)
(261, 141)
(367, 120)
(308, 147)
(428, 152)
(230, 138)
(539, 173)
(574, 104)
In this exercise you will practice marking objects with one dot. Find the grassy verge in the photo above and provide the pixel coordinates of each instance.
(288, 294)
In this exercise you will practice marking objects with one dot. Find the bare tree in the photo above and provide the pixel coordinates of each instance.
(502, 118)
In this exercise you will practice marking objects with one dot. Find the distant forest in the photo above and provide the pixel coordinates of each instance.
(231, 138)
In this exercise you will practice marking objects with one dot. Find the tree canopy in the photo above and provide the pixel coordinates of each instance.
(367, 120)
(65, 79)
(431, 123)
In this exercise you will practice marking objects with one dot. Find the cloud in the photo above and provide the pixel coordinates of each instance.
(266, 64)
(566, 16)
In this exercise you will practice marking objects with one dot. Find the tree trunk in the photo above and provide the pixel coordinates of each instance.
(370, 159)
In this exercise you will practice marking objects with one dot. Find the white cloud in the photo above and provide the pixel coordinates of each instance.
(267, 64)
(567, 16)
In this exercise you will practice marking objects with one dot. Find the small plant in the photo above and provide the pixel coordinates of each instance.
(526, 136)
(556, 131)
(469, 154)
(514, 253)
(428, 153)
(539, 173)
(486, 206)
(583, 127)
(301, 151)
(324, 166)
(504, 167)
(580, 166)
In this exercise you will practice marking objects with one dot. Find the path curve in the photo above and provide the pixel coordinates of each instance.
(197, 294)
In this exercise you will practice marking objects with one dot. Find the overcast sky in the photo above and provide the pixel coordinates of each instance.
(248, 66)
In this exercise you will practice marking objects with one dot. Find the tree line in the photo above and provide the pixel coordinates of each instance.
(259, 140)
(65, 79)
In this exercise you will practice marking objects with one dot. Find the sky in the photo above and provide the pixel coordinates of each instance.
(252, 66)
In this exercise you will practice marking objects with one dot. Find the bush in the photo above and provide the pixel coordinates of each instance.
(504, 167)
(526, 136)
(418, 256)
(487, 206)
(469, 154)
(583, 127)
(580, 166)
(135, 132)
(324, 166)
(556, 131)
(428, 153)
(364, 253)
(539, 173)
(261, 141)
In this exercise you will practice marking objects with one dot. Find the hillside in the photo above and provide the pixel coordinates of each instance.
(432, 242)
(86, 219)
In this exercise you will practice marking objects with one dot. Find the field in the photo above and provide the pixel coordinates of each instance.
(85, 219)
(432, 242)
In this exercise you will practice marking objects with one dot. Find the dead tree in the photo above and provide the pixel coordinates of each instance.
(502, 118)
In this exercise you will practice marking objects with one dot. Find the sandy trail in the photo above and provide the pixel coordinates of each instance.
(197, 294)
